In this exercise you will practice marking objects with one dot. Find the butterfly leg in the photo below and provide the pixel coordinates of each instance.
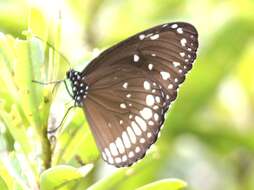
(55, 129)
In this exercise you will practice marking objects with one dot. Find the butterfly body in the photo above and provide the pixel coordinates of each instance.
(128, 88)
(79, 87)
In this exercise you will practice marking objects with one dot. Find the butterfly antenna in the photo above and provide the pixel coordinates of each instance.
(56, 83)
(67, 103)
(48, 83)
(52, 46)
(55, 129)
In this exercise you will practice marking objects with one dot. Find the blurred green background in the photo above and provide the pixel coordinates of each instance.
(208, 138)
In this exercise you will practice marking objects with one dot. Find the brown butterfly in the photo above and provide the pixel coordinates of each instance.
(128, 88)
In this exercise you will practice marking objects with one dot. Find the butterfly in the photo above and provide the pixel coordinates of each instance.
(128, 88)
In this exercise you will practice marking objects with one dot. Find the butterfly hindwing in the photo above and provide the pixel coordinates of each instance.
(126, 117)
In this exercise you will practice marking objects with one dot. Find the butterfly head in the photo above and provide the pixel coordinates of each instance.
(78, 85)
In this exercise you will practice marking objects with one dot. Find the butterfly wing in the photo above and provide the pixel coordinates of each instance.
(131, 86)
(125, 117)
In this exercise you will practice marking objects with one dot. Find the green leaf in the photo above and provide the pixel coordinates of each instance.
(11, 172)
(131, 177)
(76, 140)
(22, 105)
(3, 185)
(63, 177)
(37, 22)
(169, 184)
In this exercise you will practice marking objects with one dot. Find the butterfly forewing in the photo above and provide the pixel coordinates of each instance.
(131, 86)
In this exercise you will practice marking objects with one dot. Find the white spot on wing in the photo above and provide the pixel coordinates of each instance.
(182, 54)
(156, 117)
(176, 64)
(148, 35)
(149, 100)
(142, 140)
(170, 86)
(151, 123)
(154, 37)
(125, 85)
(150, 66)
(113, 149)
(174, 26)
(119, 145)
(131, 154)
(124, 158)
(104, 156)
(136, 58)
(165, 75)
(146, 113)
(149, 134)
(179, 30)
(137, 149)
(155, 107)
(142, 36)
(110, 160)
(136, 129)
(126, 140)
(131, 134)
(118, 160)
(123, 105)
(128, 95)
(141, 123)
(183, 42)
(158, 99)
(147, 85)
(106, 150)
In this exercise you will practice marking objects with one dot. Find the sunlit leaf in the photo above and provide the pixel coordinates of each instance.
(131, 177)
(169, 184)
(3, 185)
(63, 177)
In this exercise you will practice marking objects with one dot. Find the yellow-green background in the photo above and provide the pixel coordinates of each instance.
(208, 138)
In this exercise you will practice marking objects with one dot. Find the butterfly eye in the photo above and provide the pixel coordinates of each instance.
(68, 74)
(128, 88)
